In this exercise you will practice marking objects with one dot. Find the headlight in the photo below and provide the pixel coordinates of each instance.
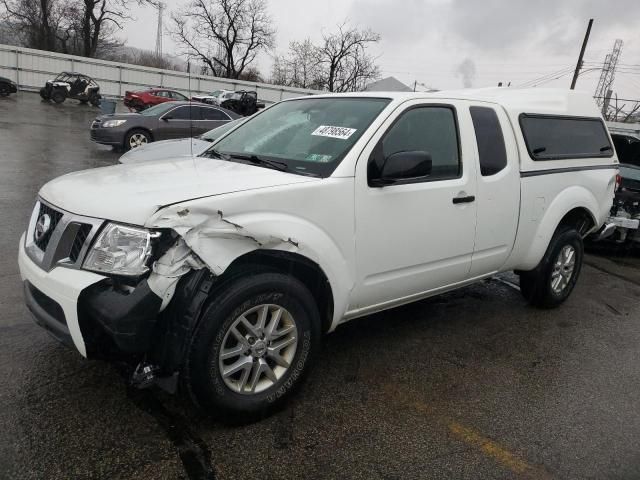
(120, 250)
(113, 123)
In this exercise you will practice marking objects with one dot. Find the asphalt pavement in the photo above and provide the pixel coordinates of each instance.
(471, 384)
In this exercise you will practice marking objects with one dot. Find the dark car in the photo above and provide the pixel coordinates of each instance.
(162, 122)
(144, 99)
(77, 86)
(7, 87)
(243, 102)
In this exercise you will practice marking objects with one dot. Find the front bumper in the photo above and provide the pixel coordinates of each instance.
(107, 136)
(62, 286)
(88, 311)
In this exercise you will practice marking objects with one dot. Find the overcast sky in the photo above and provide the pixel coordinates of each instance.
(449, 43)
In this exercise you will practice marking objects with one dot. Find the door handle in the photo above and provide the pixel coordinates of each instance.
(467, 199)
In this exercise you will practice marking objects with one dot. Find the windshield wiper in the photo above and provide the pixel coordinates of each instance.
(256, 160)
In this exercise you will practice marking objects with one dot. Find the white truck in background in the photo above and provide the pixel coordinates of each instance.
(219, 273)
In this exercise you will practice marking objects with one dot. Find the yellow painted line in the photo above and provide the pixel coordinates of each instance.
(490, 449)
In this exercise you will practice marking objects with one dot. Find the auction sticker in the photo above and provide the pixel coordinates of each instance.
(342, 133)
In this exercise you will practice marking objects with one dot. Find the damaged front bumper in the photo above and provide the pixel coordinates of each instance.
(99, 315)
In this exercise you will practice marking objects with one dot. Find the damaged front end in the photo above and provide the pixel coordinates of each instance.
(124, 319)
(148, 322)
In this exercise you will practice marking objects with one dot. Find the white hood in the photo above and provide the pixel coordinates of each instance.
(132, 193)
(165, 149)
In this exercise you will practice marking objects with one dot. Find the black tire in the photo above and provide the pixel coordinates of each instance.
(84, 102)
(203, 378)
(136, 131)
(58, 97)
(4, 90)
(94, 100)
(536, 285)
(43, 94)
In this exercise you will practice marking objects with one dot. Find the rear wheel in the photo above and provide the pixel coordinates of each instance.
(136, 138)
(252, 346)
(553, 280)
(4, 90)
(58, 96)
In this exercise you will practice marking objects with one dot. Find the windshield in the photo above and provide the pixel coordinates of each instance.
(217, 132)
(310, 135)
(158, 109)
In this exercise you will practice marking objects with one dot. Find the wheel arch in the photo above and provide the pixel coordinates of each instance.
(574, 206)
(309, 273)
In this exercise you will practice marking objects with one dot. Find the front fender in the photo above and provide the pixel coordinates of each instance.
(218, 240)
(533, 243)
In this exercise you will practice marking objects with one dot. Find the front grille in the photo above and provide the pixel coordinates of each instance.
(79, 241)
(65, 242)
(54, 216)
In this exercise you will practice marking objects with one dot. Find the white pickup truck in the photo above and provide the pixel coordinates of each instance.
(219, 273)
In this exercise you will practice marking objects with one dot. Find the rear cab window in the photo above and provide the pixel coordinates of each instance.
(490, 140)
(554, 137)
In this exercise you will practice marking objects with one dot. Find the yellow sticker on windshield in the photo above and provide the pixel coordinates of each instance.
(333, 132)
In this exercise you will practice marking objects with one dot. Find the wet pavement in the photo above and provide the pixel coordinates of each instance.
(472, 384)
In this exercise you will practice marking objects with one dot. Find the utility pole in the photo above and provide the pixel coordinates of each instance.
(159, 31)
(579, 64)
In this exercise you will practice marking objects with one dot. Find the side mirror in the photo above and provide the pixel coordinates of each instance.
(165, 118)
(404, 167)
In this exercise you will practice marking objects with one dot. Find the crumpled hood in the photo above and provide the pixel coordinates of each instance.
(165, 149)
(132, 193)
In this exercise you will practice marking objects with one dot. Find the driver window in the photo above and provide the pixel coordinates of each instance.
(427, 129)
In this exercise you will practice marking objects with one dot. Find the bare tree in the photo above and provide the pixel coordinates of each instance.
(226, 35)
(98, 20)
(33, 22)
(81, 27)
(340, 64)
(280, 74)
(344, 60)
(303, 64)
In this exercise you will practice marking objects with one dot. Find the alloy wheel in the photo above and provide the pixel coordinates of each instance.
(563, 269)
(137, 140)
(258, 349)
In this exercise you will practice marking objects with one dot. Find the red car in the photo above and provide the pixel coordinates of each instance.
(148, 98)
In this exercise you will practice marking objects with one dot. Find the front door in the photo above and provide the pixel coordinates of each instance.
(178, 123)
(418, 236)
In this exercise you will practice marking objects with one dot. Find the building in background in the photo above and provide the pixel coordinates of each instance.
(389, 84)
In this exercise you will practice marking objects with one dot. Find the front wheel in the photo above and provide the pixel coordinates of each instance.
(58, 96)
(252, 346)
(553, 280)
(136, 138)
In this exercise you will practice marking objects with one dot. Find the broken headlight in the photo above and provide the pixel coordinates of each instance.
(120, 250)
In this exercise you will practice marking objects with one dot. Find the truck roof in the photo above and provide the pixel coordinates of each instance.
(552, 101)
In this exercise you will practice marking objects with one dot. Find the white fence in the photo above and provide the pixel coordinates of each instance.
(30, 69)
